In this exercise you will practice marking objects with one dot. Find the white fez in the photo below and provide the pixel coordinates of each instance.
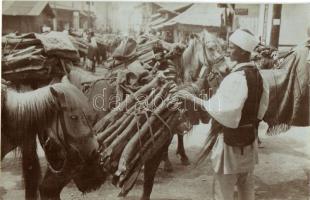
(244, 40)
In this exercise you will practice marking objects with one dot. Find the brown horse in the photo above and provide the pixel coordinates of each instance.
(59, 115)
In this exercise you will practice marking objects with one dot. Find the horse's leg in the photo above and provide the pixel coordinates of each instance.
(84, 60)
(181, 151)
(167, 164)
(31, 168)
(104, 54)
(52, 185)
(6, 146)
(150, 169)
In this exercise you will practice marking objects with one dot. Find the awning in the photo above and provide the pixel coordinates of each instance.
(155, 15)
(158, 21)
(83, 13)
(26, 8)
(199, 15)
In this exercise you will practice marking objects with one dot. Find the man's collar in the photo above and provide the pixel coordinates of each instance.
(239, 65)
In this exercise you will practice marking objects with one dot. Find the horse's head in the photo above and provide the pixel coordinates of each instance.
(70, 134)
(219, 65)
(193, 59)
(212, 42)
(204, 49)
(70, 144)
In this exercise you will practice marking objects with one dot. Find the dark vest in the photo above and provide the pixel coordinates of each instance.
(246, 133)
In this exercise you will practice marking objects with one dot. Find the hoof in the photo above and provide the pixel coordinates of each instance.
(145, 198)
(168, 167)
(260, 145)
(121, 195)
(185, 161)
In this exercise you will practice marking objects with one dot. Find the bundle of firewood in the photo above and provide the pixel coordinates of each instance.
(136, 129)
(36, 57)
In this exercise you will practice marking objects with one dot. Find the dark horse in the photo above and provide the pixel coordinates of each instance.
(101, 84)
(59, 115)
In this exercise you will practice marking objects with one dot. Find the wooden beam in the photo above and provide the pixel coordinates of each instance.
(276, 21)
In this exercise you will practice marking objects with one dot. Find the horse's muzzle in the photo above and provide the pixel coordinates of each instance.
(88, 147)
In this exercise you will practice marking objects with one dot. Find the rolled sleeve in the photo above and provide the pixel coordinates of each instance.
(227, 104)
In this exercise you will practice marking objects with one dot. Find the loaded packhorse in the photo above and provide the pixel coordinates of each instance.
(105, 86)
(60, 116)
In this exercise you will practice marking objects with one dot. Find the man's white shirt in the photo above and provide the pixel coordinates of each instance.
(226, 108)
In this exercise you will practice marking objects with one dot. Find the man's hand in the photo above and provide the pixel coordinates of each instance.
(183, 94)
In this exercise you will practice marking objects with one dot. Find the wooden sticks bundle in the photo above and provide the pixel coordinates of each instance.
(135, 130)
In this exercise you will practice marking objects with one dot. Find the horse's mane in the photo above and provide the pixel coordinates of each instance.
(36, 109)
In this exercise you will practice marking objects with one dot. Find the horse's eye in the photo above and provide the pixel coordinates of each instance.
(74, 117)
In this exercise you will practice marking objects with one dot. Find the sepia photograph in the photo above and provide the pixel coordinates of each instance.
(155, 100)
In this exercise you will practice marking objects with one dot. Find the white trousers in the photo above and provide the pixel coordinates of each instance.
(224, 186)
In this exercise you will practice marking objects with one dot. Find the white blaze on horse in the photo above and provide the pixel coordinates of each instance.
(60, 116)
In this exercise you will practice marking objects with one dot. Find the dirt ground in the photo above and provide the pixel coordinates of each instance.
(281, 174)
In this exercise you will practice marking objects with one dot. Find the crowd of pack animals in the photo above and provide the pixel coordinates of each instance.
(132, 124)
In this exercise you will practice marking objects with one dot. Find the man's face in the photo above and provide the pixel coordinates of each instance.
(234, 51)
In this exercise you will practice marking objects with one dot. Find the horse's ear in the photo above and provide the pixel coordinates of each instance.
(60, 98)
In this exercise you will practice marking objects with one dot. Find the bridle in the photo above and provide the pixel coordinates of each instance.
(208, 62)
(72, 156)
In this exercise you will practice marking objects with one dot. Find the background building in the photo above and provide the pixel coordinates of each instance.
(194, 20)
(282, 26)
(295, 19)
(26, 16)
(109, 16)
(74, 14)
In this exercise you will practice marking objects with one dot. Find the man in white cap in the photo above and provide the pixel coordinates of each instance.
(237, 106)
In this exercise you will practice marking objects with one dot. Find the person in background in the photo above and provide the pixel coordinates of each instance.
(66, 31)
(237, 107)
(45, 29)
(71, 31)
(92, 51)
(85, 34)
